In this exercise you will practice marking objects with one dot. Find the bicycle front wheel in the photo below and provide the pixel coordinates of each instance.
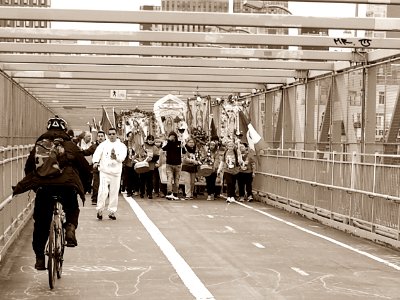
(51, 263)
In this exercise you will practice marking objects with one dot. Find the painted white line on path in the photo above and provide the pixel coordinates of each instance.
(195, 206)
(210, 216)
(369, 255)
(258, 245)
(189, 278)
(300, 271)
(230, 229)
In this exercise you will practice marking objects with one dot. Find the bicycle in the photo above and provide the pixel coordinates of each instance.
(56, 243)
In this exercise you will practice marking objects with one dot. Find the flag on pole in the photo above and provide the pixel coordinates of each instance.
(213, 128)
(95, 124)
(250, 135)
(189, 116)
(90, 126)
(114, 118)
(105, 124)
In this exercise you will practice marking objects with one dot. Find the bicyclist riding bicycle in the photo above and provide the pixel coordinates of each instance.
(65, 187)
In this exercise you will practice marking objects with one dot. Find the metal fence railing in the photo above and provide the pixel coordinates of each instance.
(340, 187)
(14, 211)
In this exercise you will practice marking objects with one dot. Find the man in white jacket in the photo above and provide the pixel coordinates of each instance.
(108, 158)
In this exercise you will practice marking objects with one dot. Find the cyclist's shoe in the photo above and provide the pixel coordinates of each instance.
(70, 235)
(99, 215)
(40, 264)
(112, 216)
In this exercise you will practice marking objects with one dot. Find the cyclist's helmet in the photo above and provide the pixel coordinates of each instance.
(56, 123)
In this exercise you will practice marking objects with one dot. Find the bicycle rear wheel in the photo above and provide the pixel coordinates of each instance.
(51, 263)
(60, 250)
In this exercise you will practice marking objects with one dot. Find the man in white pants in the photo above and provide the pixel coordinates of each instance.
(108, 158)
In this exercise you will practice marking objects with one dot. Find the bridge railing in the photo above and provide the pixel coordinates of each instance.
(14, 211)
(351, 191)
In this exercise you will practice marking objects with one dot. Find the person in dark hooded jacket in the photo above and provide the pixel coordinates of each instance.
(173, 149)
(66, 186)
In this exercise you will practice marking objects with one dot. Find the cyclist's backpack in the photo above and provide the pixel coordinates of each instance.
(47, 154)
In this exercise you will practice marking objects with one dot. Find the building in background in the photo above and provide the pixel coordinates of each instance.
(25, 23)
(150, 27)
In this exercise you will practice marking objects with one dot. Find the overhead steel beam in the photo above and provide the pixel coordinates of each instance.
(177, 62)
(95, 96)
(145, 77)
(176, 51)
(120, 83)
(201, 38)
(11, 67)
(382, 2)
(377, 55)
(198, 18)
(95, 88)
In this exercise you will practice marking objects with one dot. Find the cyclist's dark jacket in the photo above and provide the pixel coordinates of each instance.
(75, 167)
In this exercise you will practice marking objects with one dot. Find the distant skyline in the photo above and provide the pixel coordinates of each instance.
(297, 8)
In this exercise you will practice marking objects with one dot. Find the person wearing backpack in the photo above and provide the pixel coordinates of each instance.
(62, 177)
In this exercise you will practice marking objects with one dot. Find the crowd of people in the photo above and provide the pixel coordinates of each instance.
(135, 168)
(113, 164)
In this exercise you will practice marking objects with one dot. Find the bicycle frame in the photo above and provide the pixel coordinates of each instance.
(56, 243)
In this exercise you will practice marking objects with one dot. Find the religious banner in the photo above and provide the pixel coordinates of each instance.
(140, 123)
(170, 114)
(198, 113)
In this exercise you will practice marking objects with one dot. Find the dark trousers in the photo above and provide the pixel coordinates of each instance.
(96, 183)
(89, 179)
(245, 183)
(43, 212)
(131, 180)
(212, 189)
(156, 180)
(146, 183)
(230, 181)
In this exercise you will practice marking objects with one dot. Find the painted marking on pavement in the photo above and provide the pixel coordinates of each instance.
(300, 271)
(189, 278)
(230, 229)
(210, 216)
(369, 255)
(195, 206)
(258, 245)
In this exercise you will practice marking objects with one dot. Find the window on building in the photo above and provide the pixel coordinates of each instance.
(381, 98)
(379, 120)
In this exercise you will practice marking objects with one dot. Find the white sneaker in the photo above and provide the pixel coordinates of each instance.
(170, 197)
(230, 200)
(174, 197)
